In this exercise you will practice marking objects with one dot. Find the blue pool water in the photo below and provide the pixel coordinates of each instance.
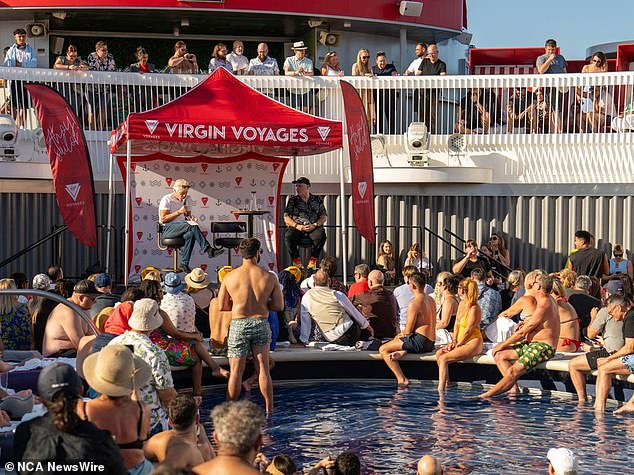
(391, 428)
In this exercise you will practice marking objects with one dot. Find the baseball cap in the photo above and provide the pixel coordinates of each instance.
(302, 181)
(563, 460)
(58, 377)
(103, 280)
(85, 287)
(614, 287)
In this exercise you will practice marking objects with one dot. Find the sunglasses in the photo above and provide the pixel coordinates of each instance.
(365, 57)
(618, 255)
(596, 61)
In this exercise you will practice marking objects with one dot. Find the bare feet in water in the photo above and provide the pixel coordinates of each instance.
(403, 382)
(220, 373)
(627, 407)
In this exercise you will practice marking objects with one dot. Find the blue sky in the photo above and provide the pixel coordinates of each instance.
(575, 24)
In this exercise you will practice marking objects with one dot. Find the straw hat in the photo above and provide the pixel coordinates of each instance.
(299, 45)
(145, 315)
(151, 273)
(197, 279)
(115, 371)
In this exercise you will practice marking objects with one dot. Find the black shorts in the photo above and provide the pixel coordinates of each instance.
(592, 357)
(417, 343)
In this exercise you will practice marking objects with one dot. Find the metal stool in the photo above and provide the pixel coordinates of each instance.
(174, 243)
(228, 243)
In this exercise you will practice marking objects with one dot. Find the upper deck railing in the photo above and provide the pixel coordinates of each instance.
(494, 113)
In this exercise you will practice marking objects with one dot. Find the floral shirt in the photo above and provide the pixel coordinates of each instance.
(16, 328)
(181, 309)
(95, 64)
(305, 212)
(161, 373)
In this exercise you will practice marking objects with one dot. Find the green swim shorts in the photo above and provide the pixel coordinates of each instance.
(245, 333)
(531, 354)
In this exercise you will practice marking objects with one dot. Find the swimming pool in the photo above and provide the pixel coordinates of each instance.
(391, 428)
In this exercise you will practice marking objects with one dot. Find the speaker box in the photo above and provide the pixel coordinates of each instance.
(410, 8)
(35, 30)
(57, 45)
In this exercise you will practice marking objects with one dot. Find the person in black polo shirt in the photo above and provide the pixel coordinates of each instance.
(430, 66)
(385, 99)
(620, 362)
(305, 215)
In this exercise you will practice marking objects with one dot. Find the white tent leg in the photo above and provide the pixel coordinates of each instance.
(344, 221)
(128, 205)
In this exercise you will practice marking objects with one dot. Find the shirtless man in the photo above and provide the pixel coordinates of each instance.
(64, 329)
(534, 342)
(419, 333)
(187, 444)
(250, 292)
(238, 436)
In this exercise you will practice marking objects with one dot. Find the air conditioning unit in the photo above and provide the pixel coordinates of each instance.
(328, 39)
(410, 8)
(35, 30)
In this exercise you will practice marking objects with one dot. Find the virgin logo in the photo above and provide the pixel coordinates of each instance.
(139, 235)
(138, 200)
(238, 180)
(204, 166)
(323, 132)
(270, 232)
(168, 181)
(137, 268)
(276, 166)
(271, 266)
(205, 233)
(271, 200)
(203, 267)
(204, 199)
(169, 251)
(151, 125)
(362, 186)
(73, 190)
(133, 166)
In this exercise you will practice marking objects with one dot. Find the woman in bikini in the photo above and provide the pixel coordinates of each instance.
(569, 330)
(468, 339)
(448, 308)
(116, 373)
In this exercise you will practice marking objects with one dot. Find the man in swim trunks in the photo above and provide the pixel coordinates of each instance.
(250, 292)
(419, 333)
(534, 342)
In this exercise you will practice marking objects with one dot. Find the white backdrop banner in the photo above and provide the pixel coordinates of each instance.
(219, 186)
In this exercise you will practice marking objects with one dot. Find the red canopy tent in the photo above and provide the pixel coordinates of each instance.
(222, 117)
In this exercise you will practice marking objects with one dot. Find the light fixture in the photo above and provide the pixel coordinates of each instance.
(314, 23)
(347, 24)
(417, 144)
(59, 15)
(184, 21)
(177, 31)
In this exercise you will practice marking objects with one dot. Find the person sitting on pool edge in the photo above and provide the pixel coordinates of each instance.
(420, 330)
(534, 342)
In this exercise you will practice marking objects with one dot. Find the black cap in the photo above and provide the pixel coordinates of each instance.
(302, 181)
(58, 377)
(85, 287)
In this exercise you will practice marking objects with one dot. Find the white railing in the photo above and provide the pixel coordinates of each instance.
(571, 109)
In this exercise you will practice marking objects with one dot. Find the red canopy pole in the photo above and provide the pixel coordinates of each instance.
(128, 181)
(344, 221)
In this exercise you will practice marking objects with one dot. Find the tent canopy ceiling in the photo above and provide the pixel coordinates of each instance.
(224, 116)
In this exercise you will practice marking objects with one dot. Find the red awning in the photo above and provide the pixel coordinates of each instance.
(224, 116)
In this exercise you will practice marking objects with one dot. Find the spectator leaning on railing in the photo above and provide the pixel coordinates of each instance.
(99, 96)
(20, 55)
(430, 66)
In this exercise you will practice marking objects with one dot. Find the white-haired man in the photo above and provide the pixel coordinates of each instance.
(238, 436)
(175, 215)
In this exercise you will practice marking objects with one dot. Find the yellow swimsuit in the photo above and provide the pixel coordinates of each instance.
(475, 333)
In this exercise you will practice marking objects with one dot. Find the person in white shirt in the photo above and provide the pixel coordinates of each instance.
(334, 315)
(175, 215)
(421, 53)
(239, 62)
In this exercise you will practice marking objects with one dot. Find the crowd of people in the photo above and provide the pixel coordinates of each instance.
(480, 110)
